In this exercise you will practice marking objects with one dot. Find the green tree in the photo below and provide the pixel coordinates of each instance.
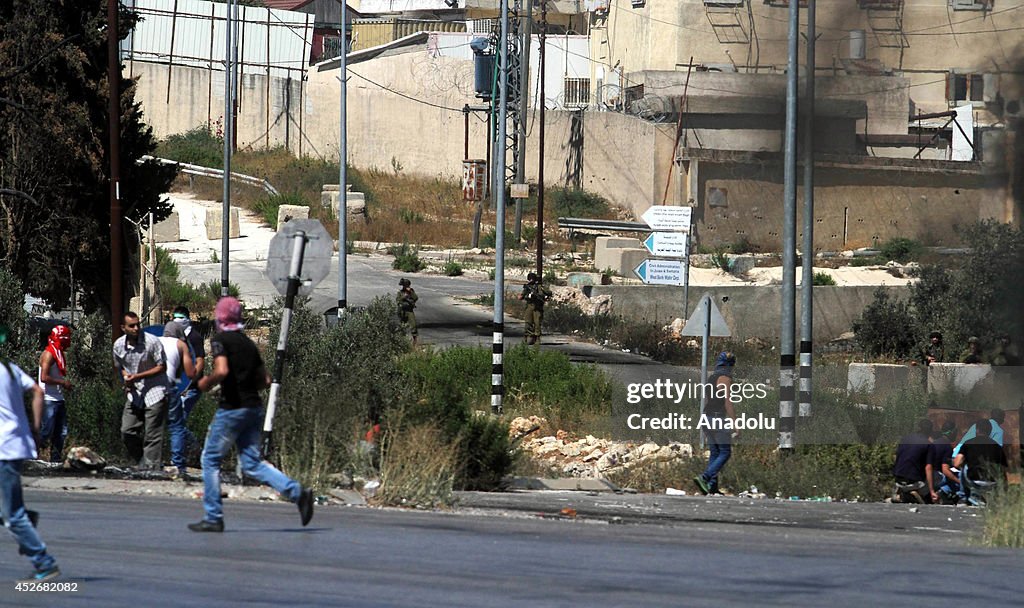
(54, 138)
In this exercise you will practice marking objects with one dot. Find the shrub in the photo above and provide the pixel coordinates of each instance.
(861, 261)
(886, 327)
(720, 260)
(823, 278)
(407, 258)
(489, 239)
(198, 146)
(901, 249)
(568, 202)
(12, 310)
(452, 268)
(410, 217)
(267, 206)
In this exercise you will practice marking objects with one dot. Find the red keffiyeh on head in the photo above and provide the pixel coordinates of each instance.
(60, 339)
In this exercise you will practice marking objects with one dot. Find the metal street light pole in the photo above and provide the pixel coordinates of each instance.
(497, 370)
(343, 169)
(114, 110)
(786, 350)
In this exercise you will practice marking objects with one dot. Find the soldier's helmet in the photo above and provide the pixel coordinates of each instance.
(404, 282)
(532, 276)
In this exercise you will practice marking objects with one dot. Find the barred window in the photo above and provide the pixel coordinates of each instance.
(577, 92)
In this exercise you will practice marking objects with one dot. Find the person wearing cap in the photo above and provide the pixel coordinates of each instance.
(141, 365)
(719, 407)
(934, 351)
(182, 439)
(53, 370)
(239, 370)
(943, 484)
(179, 362)
(973, 353)
(535, 294)
(406, 299)
(18, 440)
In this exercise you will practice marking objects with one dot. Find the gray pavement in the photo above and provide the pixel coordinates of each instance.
(131, 551)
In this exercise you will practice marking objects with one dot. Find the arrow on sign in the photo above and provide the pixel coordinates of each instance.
(667, 244)
(668, 217)
(660, 272)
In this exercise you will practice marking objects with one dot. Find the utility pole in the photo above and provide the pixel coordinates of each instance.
(525, 29)
(114, 111)
(787, 422)
(540, 151)
(497, 371)
(807, 280)
(343, 170)
(228, 144)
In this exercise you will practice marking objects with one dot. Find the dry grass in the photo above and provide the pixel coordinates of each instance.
(417, 468)
(1004, 518)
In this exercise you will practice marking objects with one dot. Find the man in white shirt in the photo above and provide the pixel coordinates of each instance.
(140, 361)
(18, 443)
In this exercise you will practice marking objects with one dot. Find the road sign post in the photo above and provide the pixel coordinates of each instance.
(674, 244)
(291, 244)
(706, 321)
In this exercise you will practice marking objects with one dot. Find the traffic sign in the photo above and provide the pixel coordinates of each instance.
(695, 325)
(316, 262)
(668, 217)
(660, 272)
(667, 244)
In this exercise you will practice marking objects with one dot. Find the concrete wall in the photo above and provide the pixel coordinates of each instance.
(749, 311)
(665, 34)
(855, 205)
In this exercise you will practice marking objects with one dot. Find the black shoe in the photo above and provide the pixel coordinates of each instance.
(207, 526)
(305, 503)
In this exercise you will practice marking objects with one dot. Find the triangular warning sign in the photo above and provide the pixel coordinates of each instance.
(695, 324)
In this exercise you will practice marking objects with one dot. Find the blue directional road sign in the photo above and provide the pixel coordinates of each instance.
(667, 244)
(660, 272)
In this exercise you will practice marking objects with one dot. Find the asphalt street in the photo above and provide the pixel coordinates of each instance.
(135, 551)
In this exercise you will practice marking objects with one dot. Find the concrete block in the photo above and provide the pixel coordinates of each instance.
(945, 378)
(169, 230)
(880, 380)
(355, 202)
(605, 248)
(740, 265)
(626, 260)
(213, 224)
(579, 279)
(285, 213)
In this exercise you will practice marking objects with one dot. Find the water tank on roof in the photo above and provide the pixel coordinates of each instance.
(858, 44)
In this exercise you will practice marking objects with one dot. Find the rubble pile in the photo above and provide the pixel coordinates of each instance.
(590, 456)
(596, 305)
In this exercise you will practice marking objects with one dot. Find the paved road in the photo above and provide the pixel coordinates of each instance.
(133, 551)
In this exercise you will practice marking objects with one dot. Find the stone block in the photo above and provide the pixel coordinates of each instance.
(945, 378)
(579, 279)
(355, 202)
(285, 213)
(879, 380)
(169, 230)
(606, 247)
(740, 265)
(214, 223)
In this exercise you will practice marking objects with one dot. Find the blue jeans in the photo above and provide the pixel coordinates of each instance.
(16, 518)
(240, 428)
(720, 444)
(179, 407)
(53, 428)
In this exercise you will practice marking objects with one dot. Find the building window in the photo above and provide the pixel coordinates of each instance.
(577, 92)
(971, 5)
(965, 87)
(784, 3)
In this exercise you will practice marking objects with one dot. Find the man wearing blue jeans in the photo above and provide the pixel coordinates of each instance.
(17, 443)
(186, 396)
(719, 409)
(239, 369)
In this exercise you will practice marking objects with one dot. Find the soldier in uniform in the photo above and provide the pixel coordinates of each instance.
(535, 294)
(406, 305)
(934, 351)
(973, 353)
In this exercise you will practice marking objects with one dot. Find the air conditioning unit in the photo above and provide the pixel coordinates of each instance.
(1013, 108)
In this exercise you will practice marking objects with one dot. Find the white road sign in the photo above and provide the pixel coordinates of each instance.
(316, 261)
(668, 217)
(695, 324)
(667, 244)
(660, 272)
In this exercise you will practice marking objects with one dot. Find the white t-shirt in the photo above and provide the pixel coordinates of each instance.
(16, 442)
(173, 359)
(52, 392)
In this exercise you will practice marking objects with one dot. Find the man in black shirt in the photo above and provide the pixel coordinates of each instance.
(719, 409)
(983, 457)
(911, 460)
(239, 369)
